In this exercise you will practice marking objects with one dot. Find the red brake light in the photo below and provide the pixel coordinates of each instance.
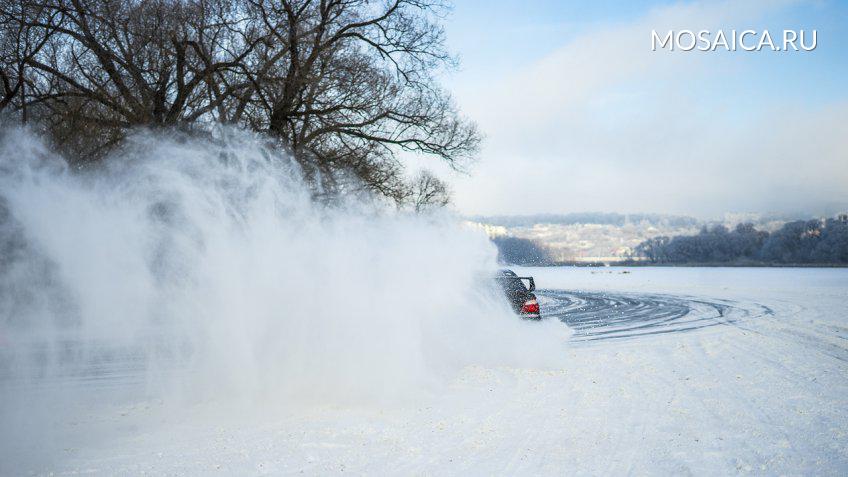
(530, 306)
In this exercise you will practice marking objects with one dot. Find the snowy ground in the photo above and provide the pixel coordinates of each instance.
(669, 371)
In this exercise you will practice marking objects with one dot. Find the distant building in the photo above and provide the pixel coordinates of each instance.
(842, 218)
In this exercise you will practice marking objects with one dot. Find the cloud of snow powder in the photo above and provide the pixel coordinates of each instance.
(186, 271)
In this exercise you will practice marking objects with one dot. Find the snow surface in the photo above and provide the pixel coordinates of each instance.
(763, 389)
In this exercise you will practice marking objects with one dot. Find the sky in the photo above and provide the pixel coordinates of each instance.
(579, 114)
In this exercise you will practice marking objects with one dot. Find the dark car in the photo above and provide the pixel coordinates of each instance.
(521, 297)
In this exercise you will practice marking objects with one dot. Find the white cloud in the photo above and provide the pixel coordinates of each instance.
(604, 123)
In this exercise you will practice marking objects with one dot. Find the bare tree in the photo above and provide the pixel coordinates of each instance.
(344, 85)
(112, 65)
(428, 192)
(19, 43)
(348, 84)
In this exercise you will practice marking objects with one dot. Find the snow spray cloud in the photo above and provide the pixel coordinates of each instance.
(201, 269)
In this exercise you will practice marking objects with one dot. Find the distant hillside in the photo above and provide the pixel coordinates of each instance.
(579, 237)
(599, 218)
(598, 237)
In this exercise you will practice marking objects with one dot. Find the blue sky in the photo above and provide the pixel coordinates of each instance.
(581, 115)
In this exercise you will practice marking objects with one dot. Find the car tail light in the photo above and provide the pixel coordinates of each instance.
(530, 306)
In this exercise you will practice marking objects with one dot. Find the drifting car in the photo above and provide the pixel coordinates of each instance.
(521, 297)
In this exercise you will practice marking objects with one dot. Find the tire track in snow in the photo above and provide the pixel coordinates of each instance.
(607, 316)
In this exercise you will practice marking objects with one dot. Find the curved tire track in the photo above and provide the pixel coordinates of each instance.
(605, 316)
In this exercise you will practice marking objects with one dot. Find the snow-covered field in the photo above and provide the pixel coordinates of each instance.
(668, 371)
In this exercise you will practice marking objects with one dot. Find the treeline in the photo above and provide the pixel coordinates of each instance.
(343, 85)
(822, 242)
